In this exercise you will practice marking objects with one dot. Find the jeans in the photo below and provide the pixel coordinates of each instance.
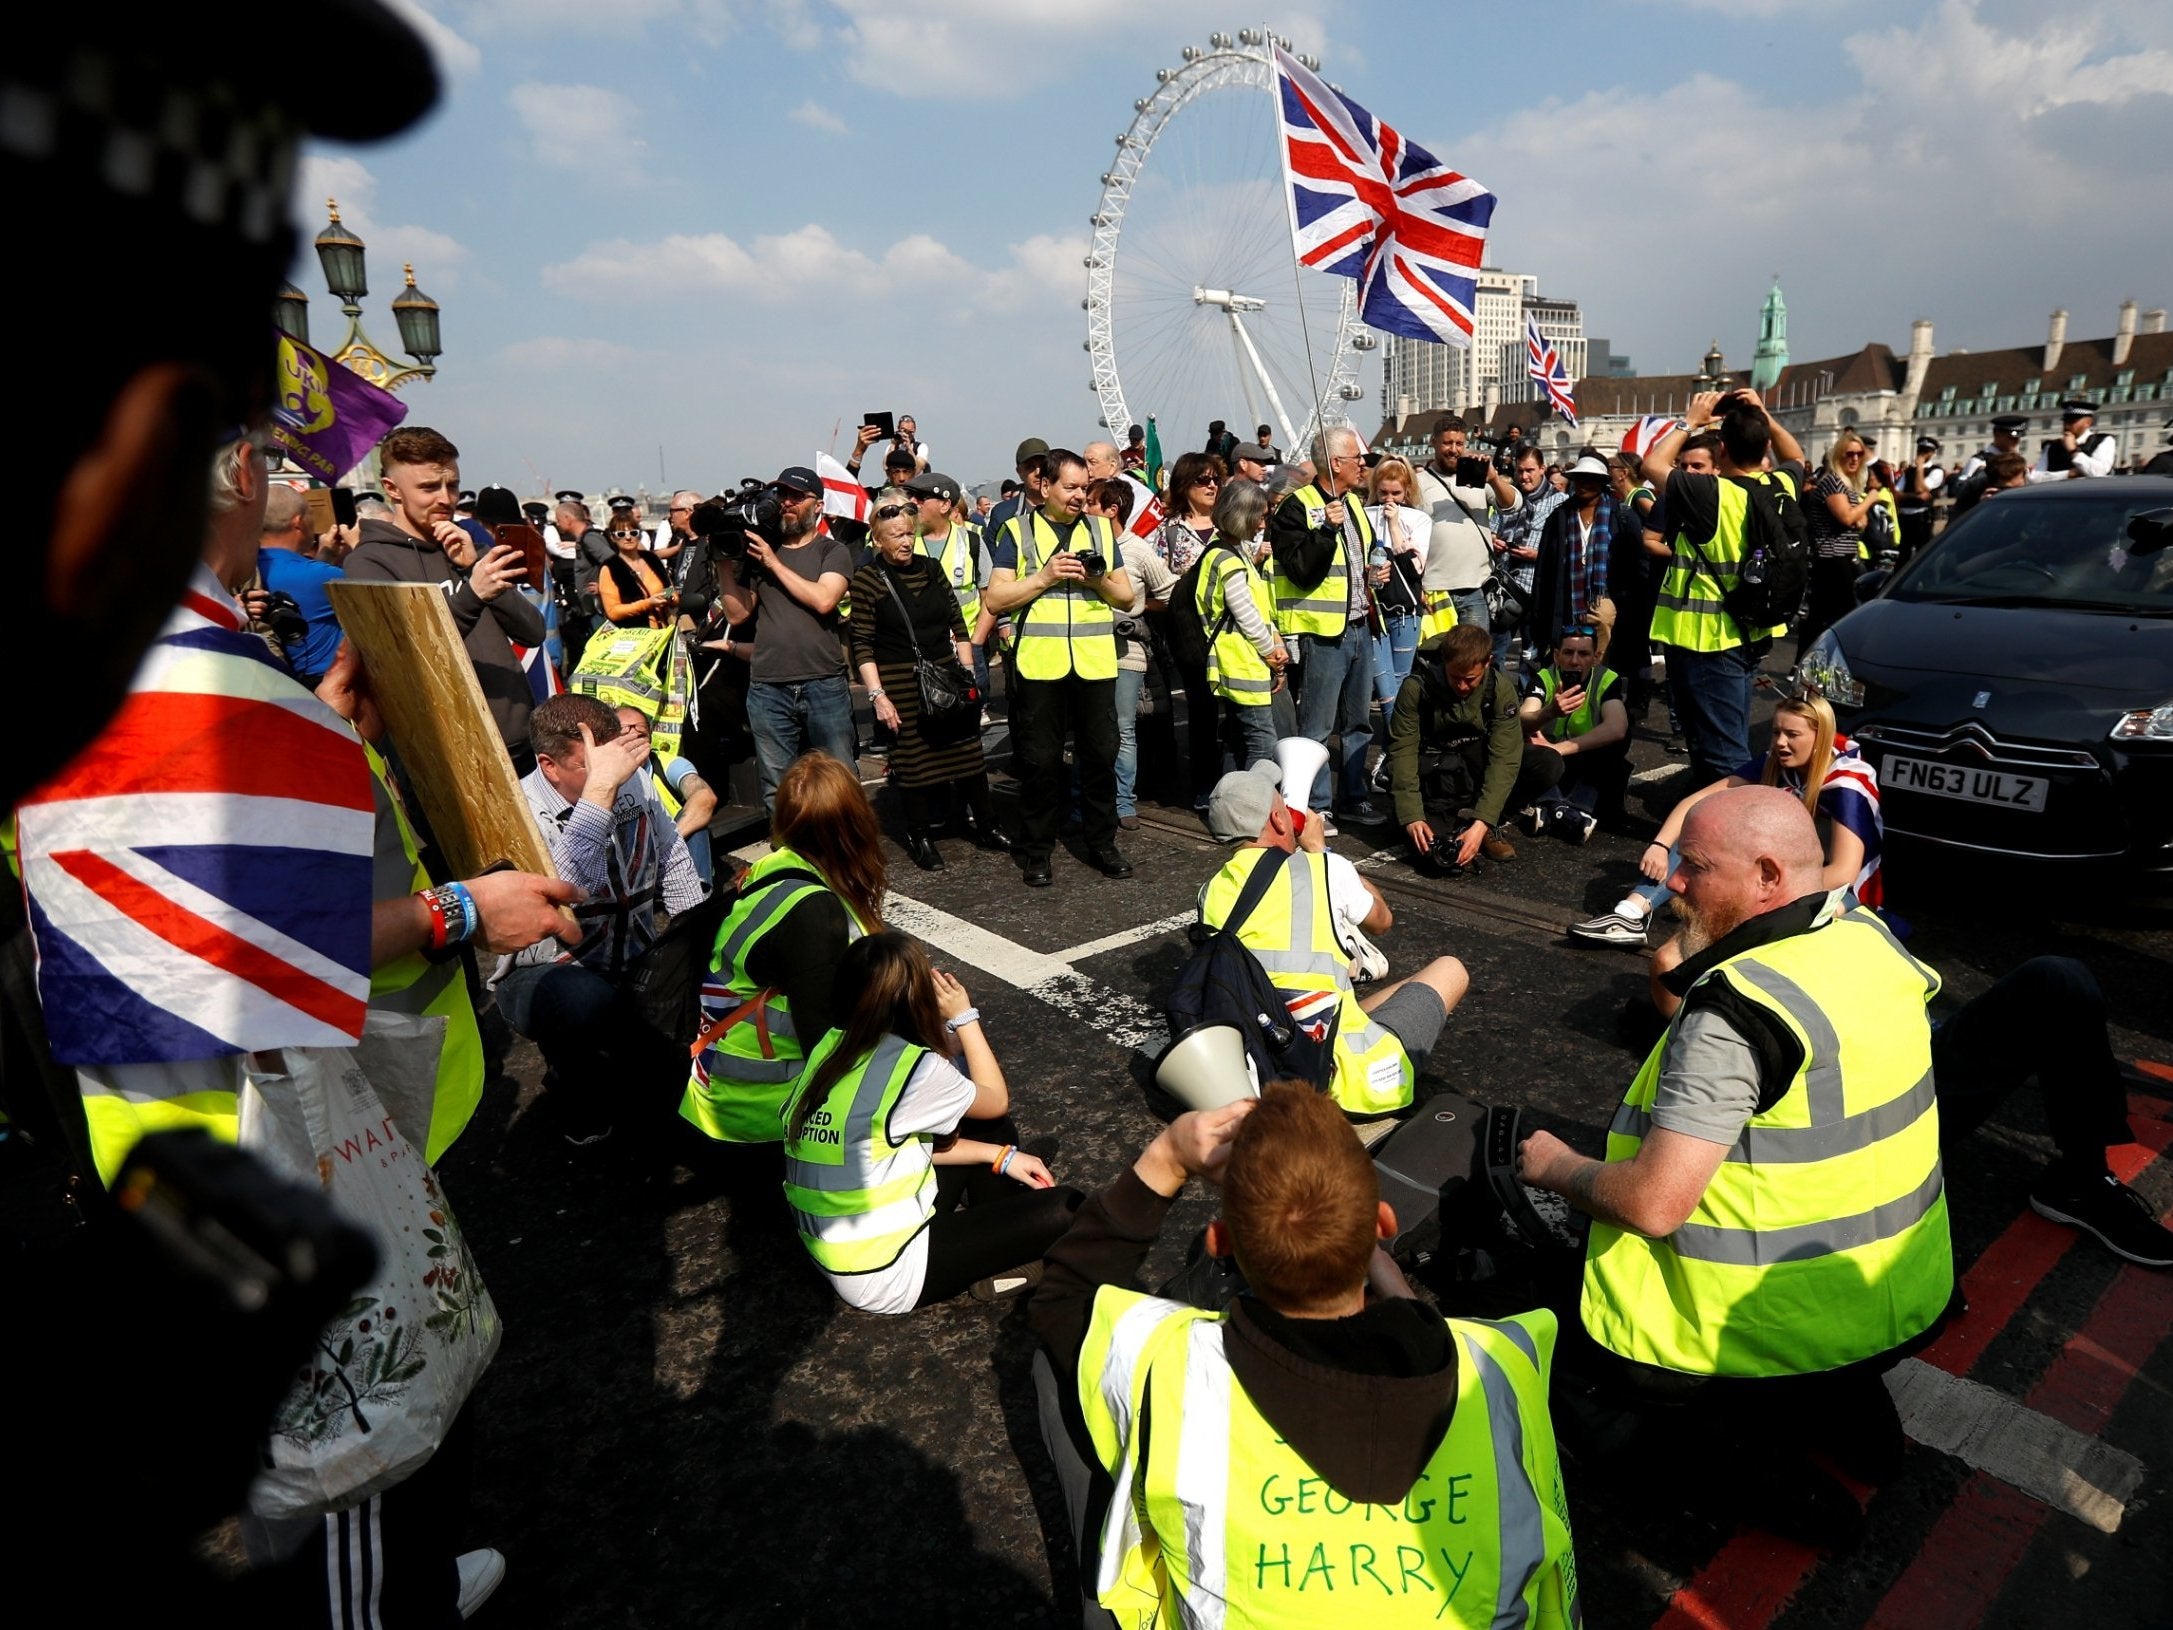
(804, 715)
(1043, 713)
(601, 1051)
(1335, 698)
(1711, 692)
(1392, 650)
(1250, 733)
(1470, 606)
(980, 673)
(1130, 682)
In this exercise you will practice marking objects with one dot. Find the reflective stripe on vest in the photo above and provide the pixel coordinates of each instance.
(957, 555)
(1292, 932)
(1069, 628)
(858, 1198)
(1598, 686)
(1822, 1238)
(1234, 667)
(1439, 615)
(1687, 611)
(737, 1088)
(1215, 1521)
(1325, 608)
(644, 668)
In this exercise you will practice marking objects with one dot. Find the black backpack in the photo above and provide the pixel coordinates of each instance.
(1776, 565)
(1223, 983)
(1189, 637)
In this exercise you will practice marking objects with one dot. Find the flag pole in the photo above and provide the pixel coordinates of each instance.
(1290, 206)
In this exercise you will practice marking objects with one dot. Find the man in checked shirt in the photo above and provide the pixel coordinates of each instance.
(611, 838)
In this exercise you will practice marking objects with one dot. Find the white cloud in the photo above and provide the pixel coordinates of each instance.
(531, 20)
(817, 117)
(556, 354)
(438, 257)
(456, 55)
(584, 129)
(792, 24)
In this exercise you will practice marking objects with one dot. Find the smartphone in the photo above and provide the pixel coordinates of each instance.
(887, 423)
(343, 505)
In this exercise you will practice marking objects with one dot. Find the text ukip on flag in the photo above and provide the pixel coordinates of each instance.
(327, 417)
(1366, 204)
(1544, 363)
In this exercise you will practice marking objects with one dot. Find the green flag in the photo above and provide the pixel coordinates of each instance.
(1154, 455)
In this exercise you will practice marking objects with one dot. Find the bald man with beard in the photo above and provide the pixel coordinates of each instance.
(1769, 1225)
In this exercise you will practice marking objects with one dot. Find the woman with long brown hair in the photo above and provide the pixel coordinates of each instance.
(1195, 483)
(767, 999)
(885, 1137)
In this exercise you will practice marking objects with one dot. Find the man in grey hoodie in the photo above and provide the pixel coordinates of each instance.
(423, 544)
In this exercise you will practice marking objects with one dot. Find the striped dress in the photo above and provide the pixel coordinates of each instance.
(920, 757)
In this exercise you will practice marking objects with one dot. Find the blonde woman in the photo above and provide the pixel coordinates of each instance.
(1837, 507)
(1401, 533)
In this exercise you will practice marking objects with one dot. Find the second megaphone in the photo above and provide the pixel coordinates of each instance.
(1301, 759)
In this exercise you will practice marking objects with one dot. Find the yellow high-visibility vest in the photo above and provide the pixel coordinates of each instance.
(1687, 613)
(1234, 668)
(857, 1197)
(957, 555)
(1325, 608)
(1070, 628)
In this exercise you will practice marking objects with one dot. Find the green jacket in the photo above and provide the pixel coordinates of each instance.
(1431, 719)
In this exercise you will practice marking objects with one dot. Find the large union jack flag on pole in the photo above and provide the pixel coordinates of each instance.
(1544, 363)
(1367, 204)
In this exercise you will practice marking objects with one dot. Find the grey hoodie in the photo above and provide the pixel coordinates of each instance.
(388, 555)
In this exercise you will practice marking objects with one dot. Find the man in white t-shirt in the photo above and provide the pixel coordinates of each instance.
(1454, 489)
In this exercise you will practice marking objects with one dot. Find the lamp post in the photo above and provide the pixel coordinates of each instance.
(339, 252)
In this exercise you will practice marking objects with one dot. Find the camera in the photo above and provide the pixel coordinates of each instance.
(1440, 859)
(724, 520)
(1472, 471)
(283, 618)
(1095, 564)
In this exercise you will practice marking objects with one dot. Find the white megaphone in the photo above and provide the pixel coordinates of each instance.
(1207, 1069)
(1301, 758)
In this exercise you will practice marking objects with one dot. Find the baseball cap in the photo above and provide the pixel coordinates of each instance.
(496, 506)
(1031, 447)
(799, 478)
(931, 485)
(1242, 801)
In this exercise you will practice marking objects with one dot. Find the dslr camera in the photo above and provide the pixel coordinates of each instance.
(1440, 860)
(723, 521)
(1096, 565)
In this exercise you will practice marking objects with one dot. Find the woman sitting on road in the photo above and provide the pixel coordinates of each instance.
(767, 998)
(1822, 768)
(885, 1137)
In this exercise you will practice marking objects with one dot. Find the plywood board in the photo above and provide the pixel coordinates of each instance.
(454, 760)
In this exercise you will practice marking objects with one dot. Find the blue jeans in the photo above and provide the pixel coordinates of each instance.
(1392, 662)
(805, 715)
(1335, 698)
(1252, 732)
(1470, 606)
(1711, 692)
(1130, 682)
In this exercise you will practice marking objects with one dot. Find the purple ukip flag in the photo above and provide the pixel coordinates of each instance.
(328, 417)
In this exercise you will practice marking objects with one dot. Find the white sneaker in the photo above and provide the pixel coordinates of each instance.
(1327, 827)
(1615, 928)
(481, 1572)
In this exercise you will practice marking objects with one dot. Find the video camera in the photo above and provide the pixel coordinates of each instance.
(725, 520)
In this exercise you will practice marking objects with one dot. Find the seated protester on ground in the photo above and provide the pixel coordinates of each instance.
(903, 1172)
(689, 800)
(1770, 1224)
(1807, 758)
(767, 998)
(1219, 1442)
(1456, 748)
(609, 837)
(1381, 1042)
(1578, 713)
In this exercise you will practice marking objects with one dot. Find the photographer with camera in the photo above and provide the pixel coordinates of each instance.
(1059, 572)
(1457, 744)
(1517, 536)
(284, 569)
(773, 563)
(1455, 489)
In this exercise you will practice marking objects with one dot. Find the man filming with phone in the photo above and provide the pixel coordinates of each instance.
(1455, 489)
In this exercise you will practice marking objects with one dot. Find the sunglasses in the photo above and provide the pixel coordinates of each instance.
(892, 511)
(616, 533)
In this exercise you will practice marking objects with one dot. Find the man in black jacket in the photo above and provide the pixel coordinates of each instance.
(423, 544)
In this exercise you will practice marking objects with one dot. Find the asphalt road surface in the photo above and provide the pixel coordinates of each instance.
(684, 1428)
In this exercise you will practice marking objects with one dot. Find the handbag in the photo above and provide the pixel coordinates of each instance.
(946, 689)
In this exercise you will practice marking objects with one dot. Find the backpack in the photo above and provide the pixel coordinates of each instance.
(1188, 636)
(1776, 565)
(1223, 983)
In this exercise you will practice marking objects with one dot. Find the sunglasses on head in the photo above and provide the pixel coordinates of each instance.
(892, 511)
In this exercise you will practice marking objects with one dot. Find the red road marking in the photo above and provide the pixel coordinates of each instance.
(1754, 1575)
(2163, 1072)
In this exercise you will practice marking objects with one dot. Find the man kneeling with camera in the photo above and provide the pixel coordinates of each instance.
(1457, 753)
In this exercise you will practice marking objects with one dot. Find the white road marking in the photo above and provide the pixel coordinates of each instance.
(2044, 1458)
(1659, 772)
(1126, 936)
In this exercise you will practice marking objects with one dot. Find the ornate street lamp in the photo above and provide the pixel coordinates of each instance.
(339, 252)
(290, 312)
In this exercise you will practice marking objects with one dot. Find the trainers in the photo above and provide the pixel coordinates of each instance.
(1573, 825)
(1530, 819)
(2113, 1214)
(1362, 814)
(481, 1572)
(1327, 827)
(1614, 928)
(999, 1287)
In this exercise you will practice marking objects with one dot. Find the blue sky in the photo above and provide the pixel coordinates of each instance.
(719, 227)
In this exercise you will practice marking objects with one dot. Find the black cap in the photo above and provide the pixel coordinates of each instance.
(1031, 447)
(2013, 423)
(368, 494)
(566, 495)
(467, 498)
(799, 478)
(1927, 444)
(619, 500)
(2078, 407)
(496, 506)
(931, 485)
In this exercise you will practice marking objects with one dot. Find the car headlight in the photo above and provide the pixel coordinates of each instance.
(2145, 724)
(1827, 669)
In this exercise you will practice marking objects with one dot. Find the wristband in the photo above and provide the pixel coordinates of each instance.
(1001, 1161)
(453, 917)
(878, 696)
(439, 926)
(471, 918)
(972, 1015)
(1656, 844)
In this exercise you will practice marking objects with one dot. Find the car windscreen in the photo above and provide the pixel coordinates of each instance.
(2015, 549)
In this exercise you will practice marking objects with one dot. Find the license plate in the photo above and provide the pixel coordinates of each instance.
(1971, 786)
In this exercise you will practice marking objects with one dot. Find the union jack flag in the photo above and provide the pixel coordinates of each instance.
(1643, 436)
(1544, 363)
(199, 877)
(1367, 204)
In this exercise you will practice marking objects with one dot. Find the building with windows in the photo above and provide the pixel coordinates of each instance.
(1433, 377)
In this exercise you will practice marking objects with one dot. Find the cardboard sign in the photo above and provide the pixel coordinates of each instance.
(321, 516)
